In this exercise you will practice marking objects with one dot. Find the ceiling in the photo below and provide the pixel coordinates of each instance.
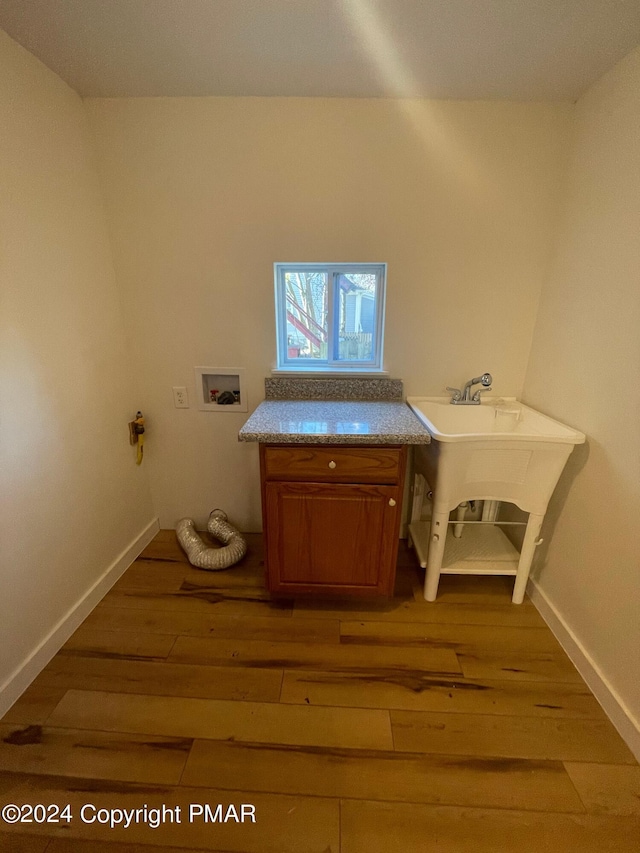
(469, 49)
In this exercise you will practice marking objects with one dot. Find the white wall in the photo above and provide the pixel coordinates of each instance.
(584, 370)
(72, 497)
(204, 194)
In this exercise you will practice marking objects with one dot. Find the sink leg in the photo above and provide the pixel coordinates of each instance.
(439, 522)
(526, 556)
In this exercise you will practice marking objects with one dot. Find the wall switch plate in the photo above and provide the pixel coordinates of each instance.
(180, 397)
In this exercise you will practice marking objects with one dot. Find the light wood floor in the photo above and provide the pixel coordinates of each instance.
(456, 727)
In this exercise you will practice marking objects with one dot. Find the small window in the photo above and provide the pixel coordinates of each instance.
(330, 316)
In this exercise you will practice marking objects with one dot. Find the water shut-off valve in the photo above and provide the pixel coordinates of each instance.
(136, 435)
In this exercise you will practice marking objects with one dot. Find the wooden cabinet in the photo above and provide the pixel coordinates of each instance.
(331, 518)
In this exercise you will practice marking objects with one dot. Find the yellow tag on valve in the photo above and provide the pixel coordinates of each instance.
(140, 450)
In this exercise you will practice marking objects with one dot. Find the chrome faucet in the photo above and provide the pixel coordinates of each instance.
(464, 397)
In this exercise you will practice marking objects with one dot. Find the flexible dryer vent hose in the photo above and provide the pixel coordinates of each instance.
(202, 556)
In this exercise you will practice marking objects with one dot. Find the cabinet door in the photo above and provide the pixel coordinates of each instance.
(331, 538)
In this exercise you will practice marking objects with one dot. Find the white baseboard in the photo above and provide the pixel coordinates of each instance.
(613, 705)
(36, 661)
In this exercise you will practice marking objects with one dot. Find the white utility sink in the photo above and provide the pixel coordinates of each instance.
(497, 420)
(500, 450)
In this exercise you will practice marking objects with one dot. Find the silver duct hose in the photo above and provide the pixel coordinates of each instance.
(202, 556)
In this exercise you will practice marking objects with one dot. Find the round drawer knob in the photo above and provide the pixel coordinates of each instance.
(332, 464)
(392, 502)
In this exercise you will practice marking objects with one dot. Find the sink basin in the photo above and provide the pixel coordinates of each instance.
(496, 420)
(500, 450)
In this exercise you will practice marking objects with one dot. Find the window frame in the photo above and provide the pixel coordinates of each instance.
(331, 364)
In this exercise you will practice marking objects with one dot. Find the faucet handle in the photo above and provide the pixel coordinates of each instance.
(456, 394)
(476, 396)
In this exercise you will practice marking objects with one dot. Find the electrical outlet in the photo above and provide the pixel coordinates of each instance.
(180, 398)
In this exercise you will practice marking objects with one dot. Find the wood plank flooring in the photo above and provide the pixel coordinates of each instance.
(351, 727)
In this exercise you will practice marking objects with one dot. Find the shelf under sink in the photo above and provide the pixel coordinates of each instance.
(481, 550)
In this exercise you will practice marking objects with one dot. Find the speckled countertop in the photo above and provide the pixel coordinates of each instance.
(333, 422)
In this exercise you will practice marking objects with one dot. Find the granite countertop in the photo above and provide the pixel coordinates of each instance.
(334, 422)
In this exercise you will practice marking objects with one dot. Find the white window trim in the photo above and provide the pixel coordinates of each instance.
(331, 365)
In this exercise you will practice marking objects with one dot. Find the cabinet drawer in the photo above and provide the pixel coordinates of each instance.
(333, 464)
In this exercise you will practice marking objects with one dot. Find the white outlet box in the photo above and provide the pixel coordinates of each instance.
(180, 397)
